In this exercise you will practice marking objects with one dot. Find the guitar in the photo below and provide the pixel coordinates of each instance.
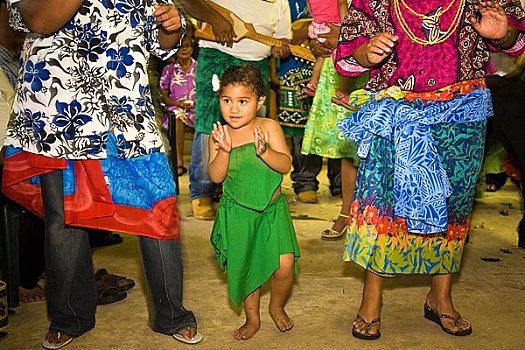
(246, 30)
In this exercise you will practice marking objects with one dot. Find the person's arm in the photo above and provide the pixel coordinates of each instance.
(47, 16)
(201, 11)
(376, 50)
(271, 147)
(343, 8)
(170, 21)
(492, 23)
(219, 147)
(181, 103)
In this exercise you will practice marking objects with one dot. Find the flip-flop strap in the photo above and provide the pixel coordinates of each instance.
(457, 320)
(368, 324)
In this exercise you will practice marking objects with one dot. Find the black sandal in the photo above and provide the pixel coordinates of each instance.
(107, 293)
(367, 335)
(121, 282)
(181, 170)
(436, 316)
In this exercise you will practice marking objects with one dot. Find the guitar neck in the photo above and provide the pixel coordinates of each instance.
(296, 50)
(267, 40)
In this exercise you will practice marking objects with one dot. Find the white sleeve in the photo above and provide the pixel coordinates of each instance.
(284, 27)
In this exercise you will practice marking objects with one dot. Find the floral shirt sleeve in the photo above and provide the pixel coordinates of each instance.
(89, 79)
(15, 18)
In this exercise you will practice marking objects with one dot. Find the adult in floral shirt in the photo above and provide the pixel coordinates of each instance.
(84, 151)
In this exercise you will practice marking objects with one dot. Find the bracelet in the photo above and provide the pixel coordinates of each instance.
(502, 40)
(264, 148)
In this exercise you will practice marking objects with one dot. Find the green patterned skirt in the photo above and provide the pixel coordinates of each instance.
(322, 136)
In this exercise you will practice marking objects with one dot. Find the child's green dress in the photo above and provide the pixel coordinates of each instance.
(250, 233)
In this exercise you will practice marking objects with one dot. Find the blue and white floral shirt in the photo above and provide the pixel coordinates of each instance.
(86, 80)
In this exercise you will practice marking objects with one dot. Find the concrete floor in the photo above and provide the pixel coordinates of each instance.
(326, 294)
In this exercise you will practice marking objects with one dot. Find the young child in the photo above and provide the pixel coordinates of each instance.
(177, 85)
(324, 12)
(253, 233)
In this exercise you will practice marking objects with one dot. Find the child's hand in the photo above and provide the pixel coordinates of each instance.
(259, 140)
(221, 137)
(380, 47)
(491, 23)
(168, 16)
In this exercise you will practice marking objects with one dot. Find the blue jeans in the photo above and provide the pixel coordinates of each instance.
(200, 184)
(306, 168)
(71, 293)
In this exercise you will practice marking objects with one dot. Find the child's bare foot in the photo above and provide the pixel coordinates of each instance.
(32, 295)
(247, 330)
(281, 319)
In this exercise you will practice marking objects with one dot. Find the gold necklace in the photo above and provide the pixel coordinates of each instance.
(440, 37)
(422, 15)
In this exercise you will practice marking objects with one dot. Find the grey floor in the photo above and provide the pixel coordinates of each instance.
(326, 294)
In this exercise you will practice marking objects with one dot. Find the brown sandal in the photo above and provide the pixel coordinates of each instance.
(332, 235)
(367, 335)
(436, 316)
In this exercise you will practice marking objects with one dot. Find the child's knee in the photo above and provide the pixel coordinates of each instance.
(286, 265)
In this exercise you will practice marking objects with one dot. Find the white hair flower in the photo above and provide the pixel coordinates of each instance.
(215, 83)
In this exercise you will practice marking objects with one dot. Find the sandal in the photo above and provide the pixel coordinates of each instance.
(61, 340)
(310, 89)
(367, 335)
(107, 293)
(332, 235)
(121, 282)
(436, 316)
(197, 338)
(181, 170)
(343, 99)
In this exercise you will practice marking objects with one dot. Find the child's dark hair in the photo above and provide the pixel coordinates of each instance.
(248, 75)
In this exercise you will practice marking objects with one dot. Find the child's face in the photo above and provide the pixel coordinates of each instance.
(239, 105)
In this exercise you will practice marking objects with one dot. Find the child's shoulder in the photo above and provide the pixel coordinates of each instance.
(267, 122)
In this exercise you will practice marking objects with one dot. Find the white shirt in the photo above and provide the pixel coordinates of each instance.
(270, 18)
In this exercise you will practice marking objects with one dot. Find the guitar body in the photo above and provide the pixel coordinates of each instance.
(247, 30)
(241, 29)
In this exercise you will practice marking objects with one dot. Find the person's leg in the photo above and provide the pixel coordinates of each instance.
(31, 258)
(162, 263)
(201, 187)
(343, 90)
(305, 169)
(179, 140)
(348, 177)
(316, 71)
(368, 320)
(282, 282)
(253, 319)
(311, 86)
(439, 301)
(334, 176)
(71, 295)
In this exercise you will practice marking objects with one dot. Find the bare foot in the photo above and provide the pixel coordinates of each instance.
(32, 295)
(281, 319)
(247, 330)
